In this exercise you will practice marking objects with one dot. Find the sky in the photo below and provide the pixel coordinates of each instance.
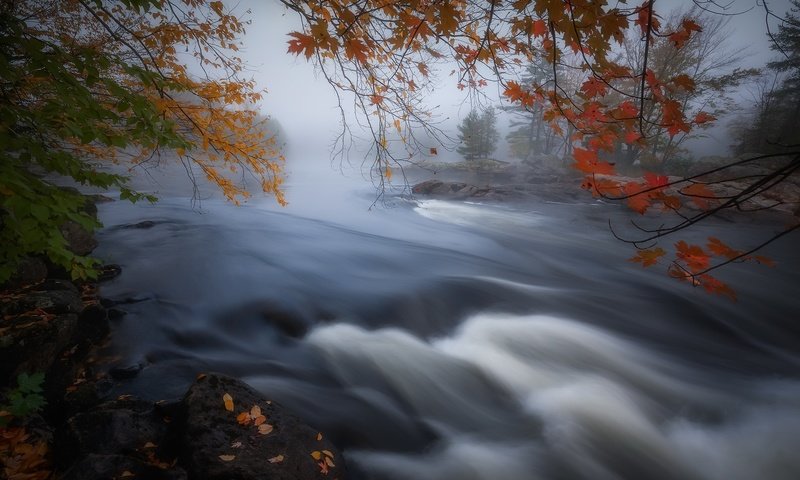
(305, 106)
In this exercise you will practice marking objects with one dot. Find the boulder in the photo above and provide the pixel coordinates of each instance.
(232, 432)
(80, 241)
(104, 467)
(125, 426)
(30, 270)
(31, 343)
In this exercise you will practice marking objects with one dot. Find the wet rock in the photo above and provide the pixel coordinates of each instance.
(84, 396)
(124, 426)
(30, 270)
(108, 272)
(141, 225)
(104, 467)
(94, 326)
(79, 240)
(216, 446)
(126, 372)
(31, 343)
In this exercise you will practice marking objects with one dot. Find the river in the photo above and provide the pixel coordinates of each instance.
(455, 340)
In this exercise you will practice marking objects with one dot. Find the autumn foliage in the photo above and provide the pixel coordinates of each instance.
(88, 83)
(383, 54)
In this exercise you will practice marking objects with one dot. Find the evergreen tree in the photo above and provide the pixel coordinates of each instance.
(773, 125)
(478, 134)
(529, 133)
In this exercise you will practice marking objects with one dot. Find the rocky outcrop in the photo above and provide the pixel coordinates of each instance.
(221, 429)
(233, 432)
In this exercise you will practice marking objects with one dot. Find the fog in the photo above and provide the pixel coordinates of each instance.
(306, 107)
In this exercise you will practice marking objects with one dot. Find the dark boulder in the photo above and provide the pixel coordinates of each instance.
(30, 270)
(125, 426)
(31, 343)
(104, 467)
(222, 444)
(80, 241)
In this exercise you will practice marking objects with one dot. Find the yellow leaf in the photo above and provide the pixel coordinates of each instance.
(316, 454)
(228, 402)
(265, 428)
(327, 453)
(227, 458)
(276, 459)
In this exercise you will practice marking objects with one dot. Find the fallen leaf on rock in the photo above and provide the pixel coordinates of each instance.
(276, 459)
(227, 458)
(319, 437)
(243, 418)
(149, 445)
(265, 428)
(316, 454)
(236, 445)
(228, 400)
(323, 468)
(126, 474)
(201, 376)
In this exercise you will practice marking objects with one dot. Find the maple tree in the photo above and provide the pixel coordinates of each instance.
(383, 54)
(88, 83)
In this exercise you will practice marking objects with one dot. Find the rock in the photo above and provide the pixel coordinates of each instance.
(32, 343)
(93, 325)
(79, 240)
(104, 467)
(141, 225)
(217, 447)
(30, 270)
(50, 301)
(121, 427)
(126, 372)
(109, 271)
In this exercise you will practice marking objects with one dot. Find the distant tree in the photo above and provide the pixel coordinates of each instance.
(773, 125)
(704, 72)
(530, 135)
(478, 134)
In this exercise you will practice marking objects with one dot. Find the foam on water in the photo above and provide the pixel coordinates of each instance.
(544, 397)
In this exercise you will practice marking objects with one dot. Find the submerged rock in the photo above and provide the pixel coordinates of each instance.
(250, 437)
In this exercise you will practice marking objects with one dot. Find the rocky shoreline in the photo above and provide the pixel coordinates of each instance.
(220, 429)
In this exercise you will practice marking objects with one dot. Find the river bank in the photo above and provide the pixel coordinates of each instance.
(63, 417)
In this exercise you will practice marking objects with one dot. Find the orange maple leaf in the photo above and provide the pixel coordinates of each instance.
(654, 180)
(694, 256)
(538, 28)
(356, 49)
(594, 87)
(648, 257)
(587, 162)
(515, 93)
(720, 249)
(302, 43)
(701, 195)
(703, 117)
(637, 201)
